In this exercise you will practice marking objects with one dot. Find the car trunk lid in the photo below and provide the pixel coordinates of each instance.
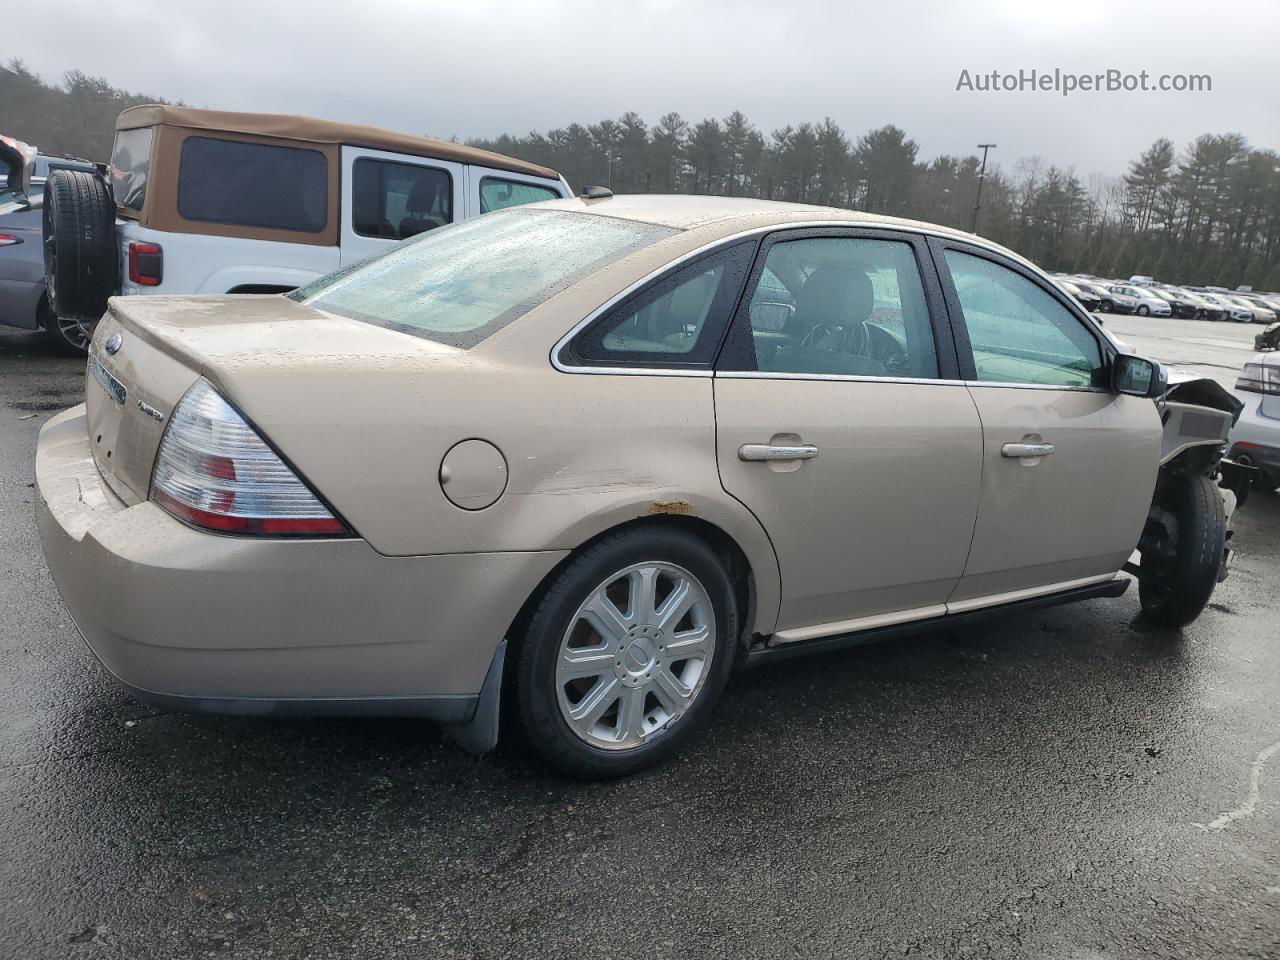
(256, 350)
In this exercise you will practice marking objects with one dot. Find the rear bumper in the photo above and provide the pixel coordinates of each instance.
(236, 625)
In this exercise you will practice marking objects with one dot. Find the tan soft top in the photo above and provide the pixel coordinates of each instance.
(312, 130)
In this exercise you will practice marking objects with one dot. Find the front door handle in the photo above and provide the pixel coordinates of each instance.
(754, 452)
(1016, 451)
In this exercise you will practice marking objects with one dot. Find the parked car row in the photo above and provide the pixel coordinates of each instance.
(1144, 296)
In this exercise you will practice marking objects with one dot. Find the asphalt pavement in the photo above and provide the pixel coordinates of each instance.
(1061, 783)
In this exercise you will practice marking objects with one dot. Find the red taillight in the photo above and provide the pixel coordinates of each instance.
(214, 471)
(9, 240)
(146, 264)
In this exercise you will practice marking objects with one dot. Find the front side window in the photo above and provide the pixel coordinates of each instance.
(130, 166)
(677, 322)
(398, 200)
(848, 306)
(1019, 333)
(498, 194)
(253, 184)
(461, 283)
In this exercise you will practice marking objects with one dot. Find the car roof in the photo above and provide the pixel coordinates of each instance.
(313, 130)
(729, 215)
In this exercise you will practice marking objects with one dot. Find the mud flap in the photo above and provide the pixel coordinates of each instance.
(480, 733)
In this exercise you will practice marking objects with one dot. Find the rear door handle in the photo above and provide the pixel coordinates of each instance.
(1016, 451)
(754, 452)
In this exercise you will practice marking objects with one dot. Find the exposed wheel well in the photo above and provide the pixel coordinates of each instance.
(739, 569)
(261, 288)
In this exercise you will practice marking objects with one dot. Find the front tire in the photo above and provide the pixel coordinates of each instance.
(626, 653)
(1143, 310)
(1178, 579)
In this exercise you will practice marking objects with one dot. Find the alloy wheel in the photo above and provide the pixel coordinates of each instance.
(635, 655)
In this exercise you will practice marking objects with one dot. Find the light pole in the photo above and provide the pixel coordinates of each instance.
(982, 175)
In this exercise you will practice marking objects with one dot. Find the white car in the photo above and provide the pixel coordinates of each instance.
(1255, 438)
(1148, 304)
(205, 201)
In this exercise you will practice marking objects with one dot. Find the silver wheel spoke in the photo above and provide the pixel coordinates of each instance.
(693, 643)
(591, 662)
(631, 714)
(673, 694)
(592, 707)
(644, 589)
(605, 617)
(676, 605)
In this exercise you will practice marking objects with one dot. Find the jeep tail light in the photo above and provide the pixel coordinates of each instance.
(146, 264)
(215, 471)
(9, 240)
(1259, 378)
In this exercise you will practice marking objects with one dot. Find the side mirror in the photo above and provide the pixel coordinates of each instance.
(1138, 376)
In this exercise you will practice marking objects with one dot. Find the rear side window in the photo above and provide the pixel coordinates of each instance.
(461, 283)
(399, 200)
(677, 322)
(130, 166)
(843, 306)
(498, 194)
(253, 185)
(1018, 332)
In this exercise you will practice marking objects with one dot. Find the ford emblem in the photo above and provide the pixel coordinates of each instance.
(113, 344)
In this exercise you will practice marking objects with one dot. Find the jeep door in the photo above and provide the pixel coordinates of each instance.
(389, 197)
(842, 424)
(1069, 465)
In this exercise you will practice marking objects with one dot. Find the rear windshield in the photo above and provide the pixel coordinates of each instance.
(460, 283)
(130, 164)
(253, 184)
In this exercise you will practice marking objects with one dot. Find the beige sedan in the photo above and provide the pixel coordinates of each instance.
(613, 448)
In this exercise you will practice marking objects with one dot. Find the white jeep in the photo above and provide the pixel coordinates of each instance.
(206, 201)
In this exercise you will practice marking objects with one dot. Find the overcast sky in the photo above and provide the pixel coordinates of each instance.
(481, 67)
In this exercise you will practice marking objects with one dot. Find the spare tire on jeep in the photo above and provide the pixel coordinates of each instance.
(81, 262)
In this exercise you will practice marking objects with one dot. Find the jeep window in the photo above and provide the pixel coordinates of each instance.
(498, 194)
(253, 185)
(461, 283)
(399, 200)
(130, 164)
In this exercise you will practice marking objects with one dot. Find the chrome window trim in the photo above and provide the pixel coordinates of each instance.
(849, 377)
(617, 298)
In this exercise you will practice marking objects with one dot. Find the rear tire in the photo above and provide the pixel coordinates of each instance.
(66, 336)
(1176, 589)
(607, 739)
(1108, 306)
(81, 263)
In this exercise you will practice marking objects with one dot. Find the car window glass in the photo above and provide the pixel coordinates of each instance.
(845, 306)
(1019, 333)
(398, 200)
(677, 321)
(461, 283)
(130, 164)
(498, 194)
(253, 184)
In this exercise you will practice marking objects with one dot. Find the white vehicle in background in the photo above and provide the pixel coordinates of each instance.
(1147, 303)
(1232, 311)
(1255, 438)
(205, 201)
